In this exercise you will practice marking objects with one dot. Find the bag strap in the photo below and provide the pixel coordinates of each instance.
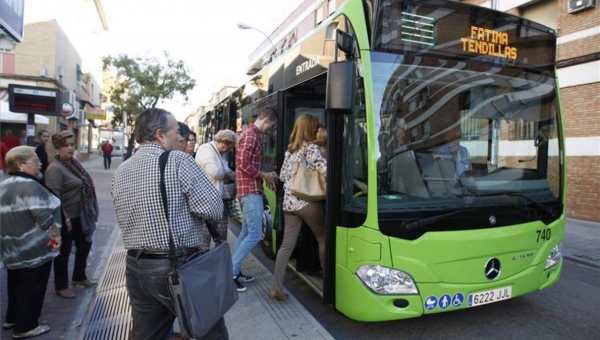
(164, 157)
(218, 156)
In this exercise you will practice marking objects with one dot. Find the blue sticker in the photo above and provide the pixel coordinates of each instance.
(430, 303)
(458, 299)
(444, 301)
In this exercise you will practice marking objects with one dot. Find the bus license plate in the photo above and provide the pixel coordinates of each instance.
(490, 296)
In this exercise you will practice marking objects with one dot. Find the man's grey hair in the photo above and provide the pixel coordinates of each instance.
(150, 121)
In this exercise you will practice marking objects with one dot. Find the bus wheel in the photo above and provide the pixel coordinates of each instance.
(266, 242)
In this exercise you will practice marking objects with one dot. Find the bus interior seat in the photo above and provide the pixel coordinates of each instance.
(405, 177)
(438, 173)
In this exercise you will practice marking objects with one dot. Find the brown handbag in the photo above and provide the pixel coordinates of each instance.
(307, 185)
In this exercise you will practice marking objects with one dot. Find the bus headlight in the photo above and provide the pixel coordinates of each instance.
(555, 256)
(383, 280)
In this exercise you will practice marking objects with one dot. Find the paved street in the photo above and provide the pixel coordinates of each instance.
(568, 310)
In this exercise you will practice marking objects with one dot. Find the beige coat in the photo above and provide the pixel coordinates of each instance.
(213, 164)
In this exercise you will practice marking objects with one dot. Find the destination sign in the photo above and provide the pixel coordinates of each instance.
(455, 31)
(489, 42)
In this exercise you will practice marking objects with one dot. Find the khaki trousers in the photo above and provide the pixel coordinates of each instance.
(314, 217)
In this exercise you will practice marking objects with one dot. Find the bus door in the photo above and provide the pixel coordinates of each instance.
(305, 98)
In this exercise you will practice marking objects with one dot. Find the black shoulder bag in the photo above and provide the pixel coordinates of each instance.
(202, 288)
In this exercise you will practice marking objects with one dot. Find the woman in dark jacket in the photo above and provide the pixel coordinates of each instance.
(29, 240)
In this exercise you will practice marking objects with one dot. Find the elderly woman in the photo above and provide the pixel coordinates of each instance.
(29, 240)
(75, 188)
(211, 157)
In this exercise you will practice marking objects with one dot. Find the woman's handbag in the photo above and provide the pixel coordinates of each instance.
(202, 288)
(307, 185)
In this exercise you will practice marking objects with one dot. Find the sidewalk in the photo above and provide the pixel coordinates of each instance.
(253, 317)
(61, 314)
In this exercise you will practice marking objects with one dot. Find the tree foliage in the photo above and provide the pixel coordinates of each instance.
(142, 83)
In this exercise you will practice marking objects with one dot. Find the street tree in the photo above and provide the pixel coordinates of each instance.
(137, 84)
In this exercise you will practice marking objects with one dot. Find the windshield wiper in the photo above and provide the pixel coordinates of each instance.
(537, 204)
(429, 220)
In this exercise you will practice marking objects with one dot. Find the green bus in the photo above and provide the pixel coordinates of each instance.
(446, 164)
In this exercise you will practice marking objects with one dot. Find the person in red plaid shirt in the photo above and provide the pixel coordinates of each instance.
(249, 179)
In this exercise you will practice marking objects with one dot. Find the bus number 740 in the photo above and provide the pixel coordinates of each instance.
(543, 234)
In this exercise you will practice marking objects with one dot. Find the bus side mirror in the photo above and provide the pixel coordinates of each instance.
(340, 87)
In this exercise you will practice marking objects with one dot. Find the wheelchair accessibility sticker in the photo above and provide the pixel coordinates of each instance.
(444, 302)
(458, 299)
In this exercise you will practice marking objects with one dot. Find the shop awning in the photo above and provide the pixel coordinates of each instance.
(7, 116)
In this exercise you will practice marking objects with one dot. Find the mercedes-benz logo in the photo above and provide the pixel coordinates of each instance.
(493, 268)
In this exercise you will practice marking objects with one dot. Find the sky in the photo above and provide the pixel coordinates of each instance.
(202, 33)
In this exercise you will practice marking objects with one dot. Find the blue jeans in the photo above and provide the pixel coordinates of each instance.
(152, 310)
(252, 211)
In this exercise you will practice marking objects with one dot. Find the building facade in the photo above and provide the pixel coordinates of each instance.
(47, 58)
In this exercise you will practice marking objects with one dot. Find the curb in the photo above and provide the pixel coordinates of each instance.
(581, 262)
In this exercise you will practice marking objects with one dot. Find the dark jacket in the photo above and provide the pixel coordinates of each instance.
(40, 150)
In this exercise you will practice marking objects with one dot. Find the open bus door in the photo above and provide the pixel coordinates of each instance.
(327, 97)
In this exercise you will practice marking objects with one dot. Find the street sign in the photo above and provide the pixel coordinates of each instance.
(32, 99)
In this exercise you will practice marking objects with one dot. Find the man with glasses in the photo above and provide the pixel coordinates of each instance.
(193, 199)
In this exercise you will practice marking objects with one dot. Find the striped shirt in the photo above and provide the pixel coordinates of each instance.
(191, 198)
(248, 162)
(27, 212)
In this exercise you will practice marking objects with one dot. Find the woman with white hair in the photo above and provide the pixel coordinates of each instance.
(29, 239)
(211, 157)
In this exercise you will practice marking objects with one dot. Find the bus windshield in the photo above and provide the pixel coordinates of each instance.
(465, 106)
(447, 132)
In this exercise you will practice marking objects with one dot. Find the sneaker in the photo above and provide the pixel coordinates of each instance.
(39, 330)
(8, 325)
(245, 278)
(240, 287)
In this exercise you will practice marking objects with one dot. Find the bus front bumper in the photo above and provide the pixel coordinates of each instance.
(358, 302)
